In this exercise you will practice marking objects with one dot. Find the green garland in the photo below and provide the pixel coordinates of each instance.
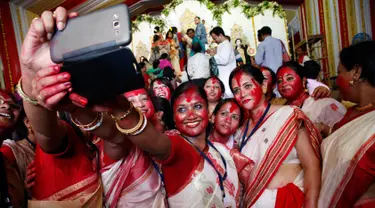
(217, 11)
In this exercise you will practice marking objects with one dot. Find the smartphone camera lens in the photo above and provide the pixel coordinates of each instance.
(116, 24)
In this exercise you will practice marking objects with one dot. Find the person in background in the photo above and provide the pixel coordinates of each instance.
(155, 71)
(312, 73)
(146, 77)
(224, 57)
(174, 54)
(191, 39)
(198, 67)
(142, 101)
(242, 57)
(324, 113)
(164, 61)
(270, 50)
(215, 90)
(348, 177)
(302, 55)
(161, 87)
(200, 30)
(227, 118)
(168, 74)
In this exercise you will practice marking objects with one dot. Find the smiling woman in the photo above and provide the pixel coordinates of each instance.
(271, 133)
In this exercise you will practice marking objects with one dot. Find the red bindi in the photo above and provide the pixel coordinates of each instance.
(215, 81)
(189, 94)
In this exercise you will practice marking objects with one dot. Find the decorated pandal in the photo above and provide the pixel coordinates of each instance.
(239, 21)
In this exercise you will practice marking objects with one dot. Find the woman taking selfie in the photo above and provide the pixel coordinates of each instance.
(281, 141)
(348, 178)
(324, 113)
(226, 117)
(61, 156)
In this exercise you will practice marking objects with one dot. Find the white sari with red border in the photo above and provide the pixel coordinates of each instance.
(270, 145)
(203, 189)
(341, 152)
(144, 190)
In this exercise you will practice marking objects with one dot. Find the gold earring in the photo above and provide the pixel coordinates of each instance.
(351, 83)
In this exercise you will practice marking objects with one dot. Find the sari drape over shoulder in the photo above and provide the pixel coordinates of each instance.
(273, 145)
(131, 181)
(348, 177)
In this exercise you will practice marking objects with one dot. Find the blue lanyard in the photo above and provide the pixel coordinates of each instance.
(244, 141)
(164, 189)
(222, 178)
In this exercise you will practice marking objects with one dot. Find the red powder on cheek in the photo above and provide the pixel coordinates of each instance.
(343, 84)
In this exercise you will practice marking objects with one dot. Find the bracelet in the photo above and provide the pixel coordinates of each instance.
(98, 121)
(126, 114)
(23, 95)
(142, 128)
(135, 128)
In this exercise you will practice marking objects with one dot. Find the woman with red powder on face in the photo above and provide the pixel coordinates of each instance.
(324, 113)
(161, 87)
(227, 117)
(281, 141)
(142, 101)
(207, 173)
(214, 88)
(348, 177)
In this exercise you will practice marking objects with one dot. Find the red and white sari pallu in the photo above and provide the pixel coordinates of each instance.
(348, 176)
(132, 182)
(201, 191)
(271, 146)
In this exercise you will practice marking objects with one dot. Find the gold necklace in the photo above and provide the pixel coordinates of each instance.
(365, 108)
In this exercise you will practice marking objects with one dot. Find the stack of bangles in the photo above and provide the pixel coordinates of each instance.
(98, 121)
(137, 129)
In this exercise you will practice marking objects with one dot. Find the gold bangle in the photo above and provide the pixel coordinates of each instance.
(135, 128)
(23, 95)
(97, 118)
(126, 114)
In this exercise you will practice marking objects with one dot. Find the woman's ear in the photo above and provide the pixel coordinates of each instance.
(159, 114)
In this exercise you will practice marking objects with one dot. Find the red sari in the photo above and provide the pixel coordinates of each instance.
(67, 179)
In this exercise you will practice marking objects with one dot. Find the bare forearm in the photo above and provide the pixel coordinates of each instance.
(49, 132)
(150, 140)
(312, 187)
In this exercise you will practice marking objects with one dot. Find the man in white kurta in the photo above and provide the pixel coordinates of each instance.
(224, 58)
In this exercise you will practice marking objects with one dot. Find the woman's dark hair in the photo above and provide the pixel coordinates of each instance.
(220, 83)
(144, 59)
(20, 131)
(156, 29)
(196, 47)
(156, 38)
(217, 31)
(312, 69)
(166, 35)
(296, 67)
(226, 100)
(162, 104)
(155, 64)
(186, 86)
(255, 72)
(273, 74)
(362, 55)
(141, 65)
(163, 80)
(164, 56)
(168, 73)
(174, 30)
